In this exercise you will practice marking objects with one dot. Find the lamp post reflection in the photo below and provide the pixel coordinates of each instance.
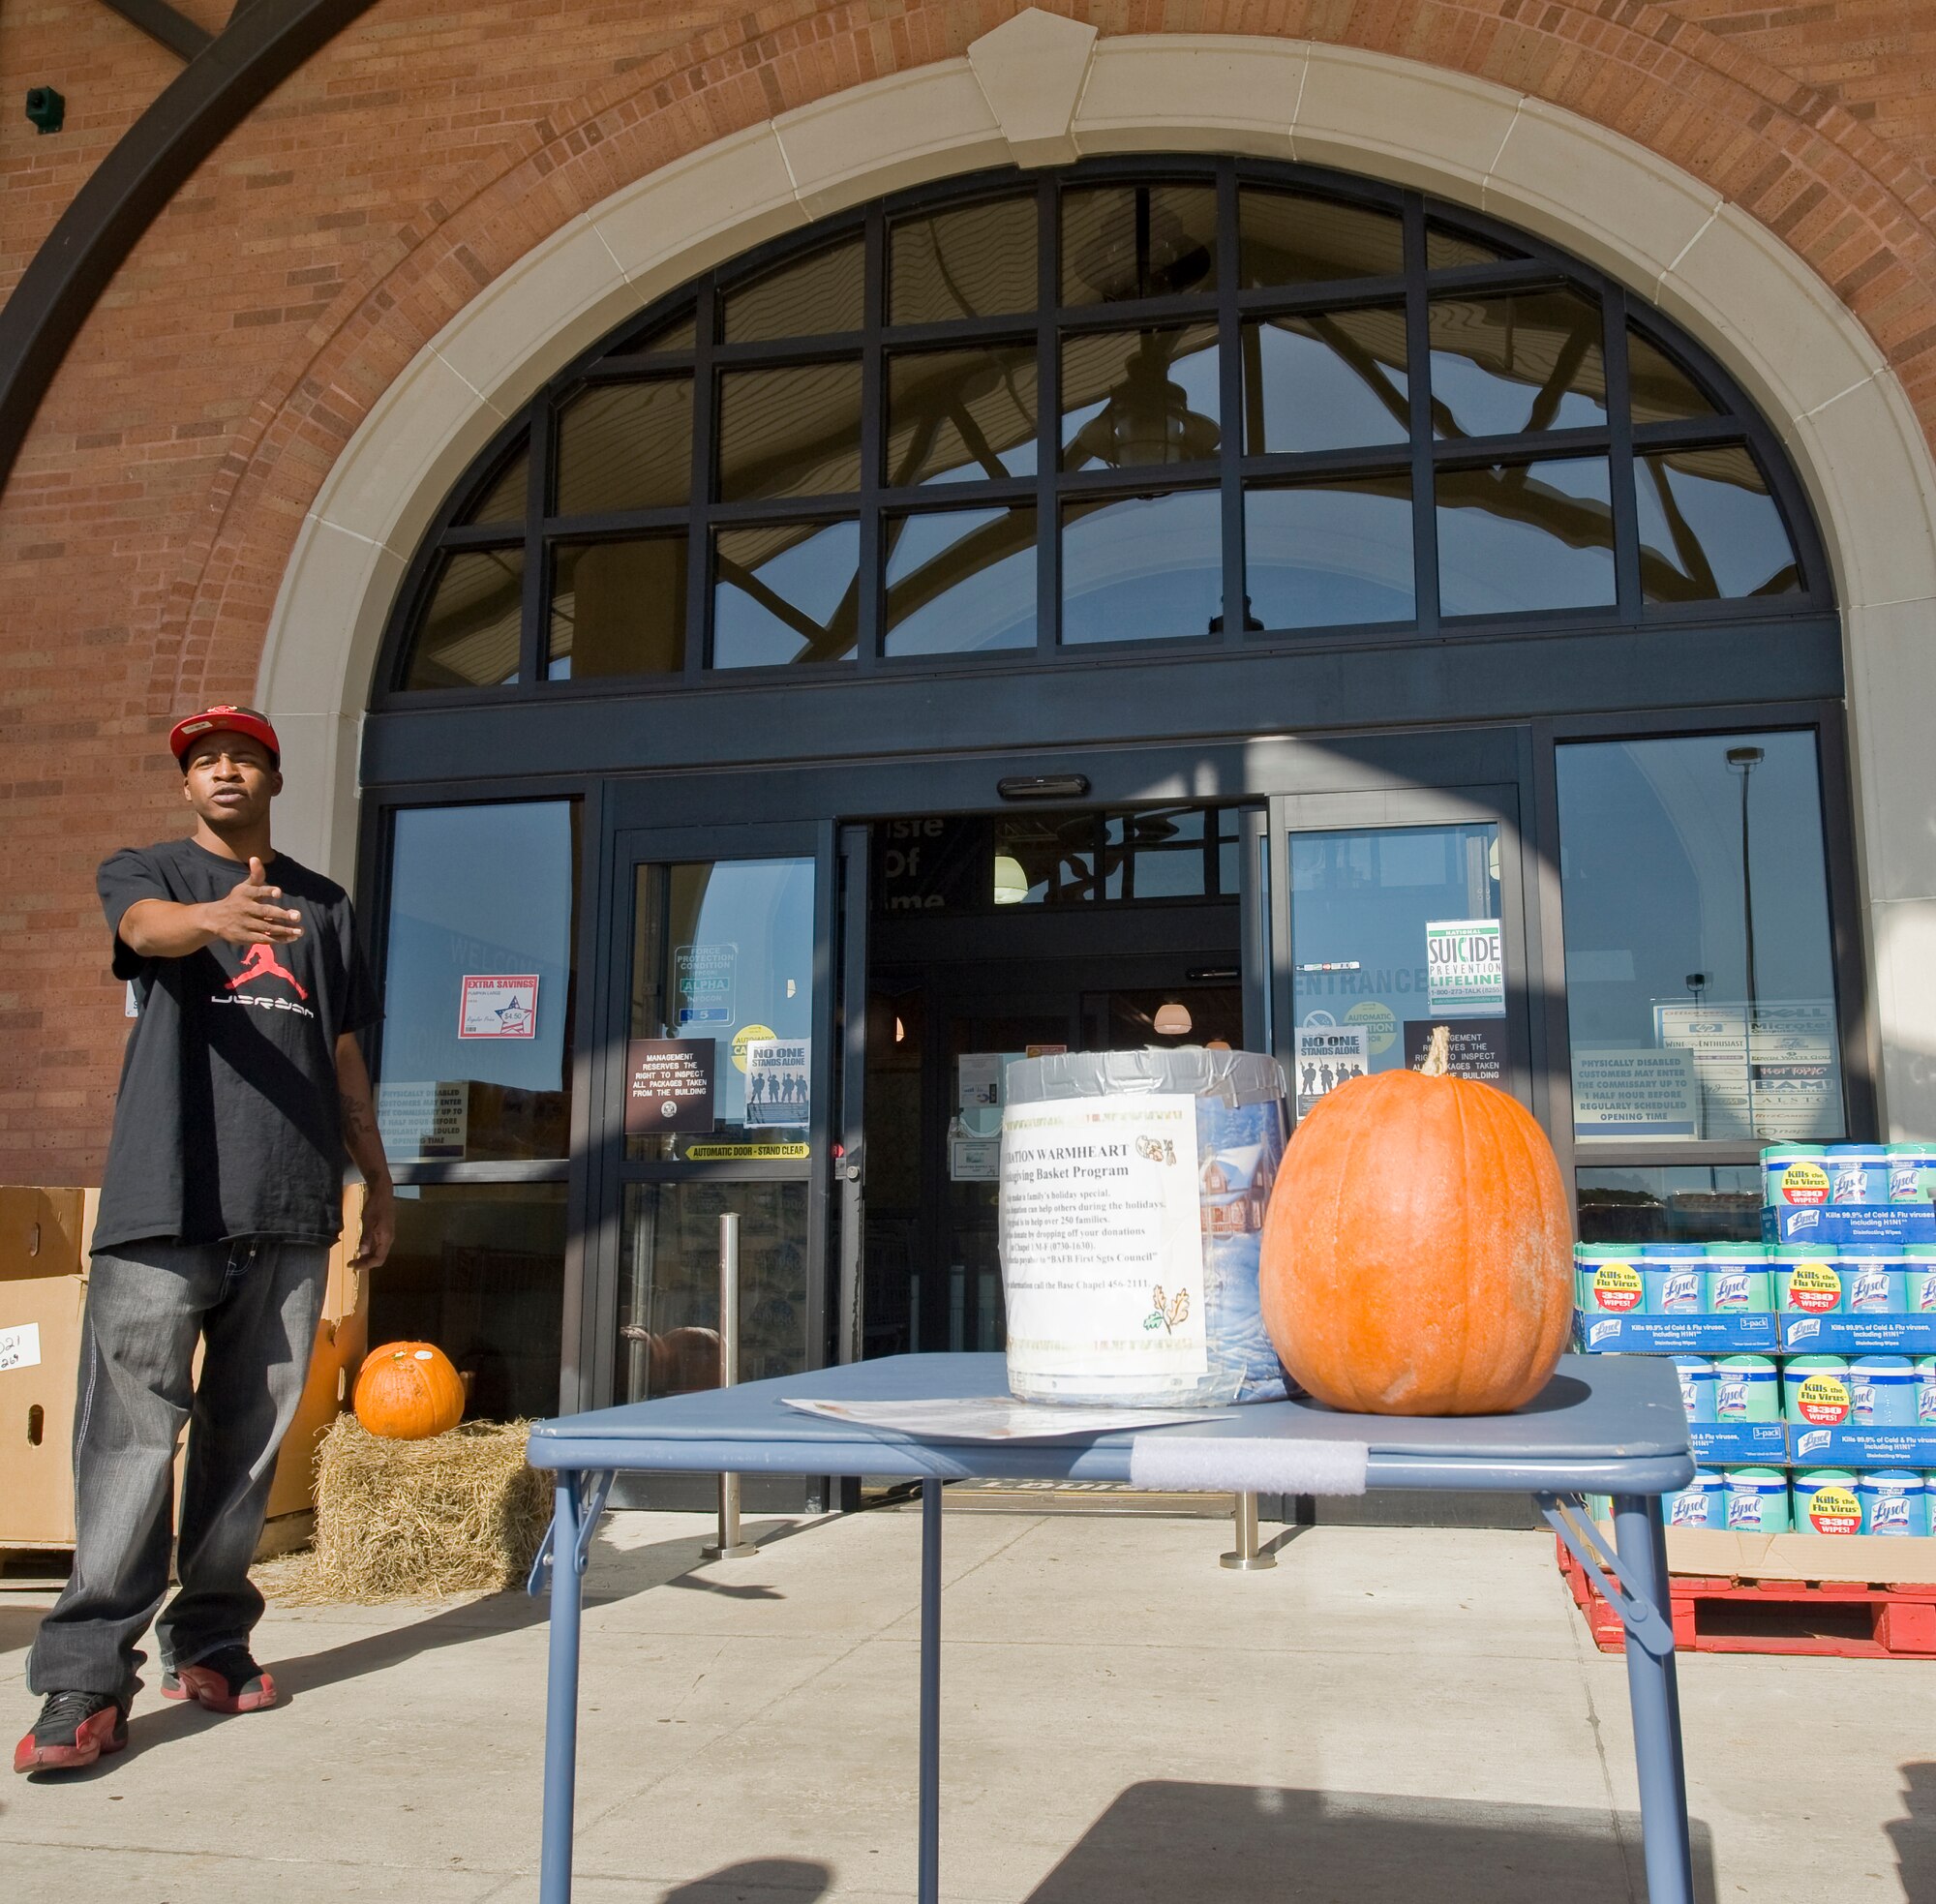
(1743, 761)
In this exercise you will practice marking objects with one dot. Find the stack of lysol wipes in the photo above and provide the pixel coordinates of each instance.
(1807, 1361)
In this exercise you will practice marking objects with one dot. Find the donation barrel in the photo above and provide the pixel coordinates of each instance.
(1132, 1196)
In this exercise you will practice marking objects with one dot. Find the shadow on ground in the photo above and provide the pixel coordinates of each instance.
(1228, 1844)
(1915, 1836)
(785, 1880)
(615, 1574)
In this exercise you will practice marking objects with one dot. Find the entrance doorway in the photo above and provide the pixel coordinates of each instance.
(993, 937)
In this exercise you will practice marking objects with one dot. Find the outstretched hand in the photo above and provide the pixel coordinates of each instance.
(251, 914)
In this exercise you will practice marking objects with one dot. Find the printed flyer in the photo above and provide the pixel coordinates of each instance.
(1100, 1238)
(777, 1081)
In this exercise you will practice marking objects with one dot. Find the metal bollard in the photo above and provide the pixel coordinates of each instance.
(730, 1546)
(1246, 1556)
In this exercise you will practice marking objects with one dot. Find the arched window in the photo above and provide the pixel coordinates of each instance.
(1022, 421)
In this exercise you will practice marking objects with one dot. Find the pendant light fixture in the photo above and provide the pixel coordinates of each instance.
(1172, 1019)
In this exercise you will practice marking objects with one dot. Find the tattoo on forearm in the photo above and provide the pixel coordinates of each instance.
(355, 1118)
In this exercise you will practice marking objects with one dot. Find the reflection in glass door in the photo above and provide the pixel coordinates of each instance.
(1396, 930)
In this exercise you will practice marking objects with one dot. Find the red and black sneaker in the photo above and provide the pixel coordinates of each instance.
(74, 1730)
(226, 1682)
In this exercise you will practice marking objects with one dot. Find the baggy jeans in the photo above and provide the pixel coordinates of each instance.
(253, 1302)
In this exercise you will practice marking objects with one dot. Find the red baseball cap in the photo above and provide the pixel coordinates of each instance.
(228, 720)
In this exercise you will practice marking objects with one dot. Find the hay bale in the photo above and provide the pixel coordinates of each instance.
(456, 1513)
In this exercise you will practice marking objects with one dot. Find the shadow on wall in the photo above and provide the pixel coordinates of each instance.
(1228, 1844)
(1915, 1836)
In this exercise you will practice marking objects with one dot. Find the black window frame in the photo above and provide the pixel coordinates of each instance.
(1525, 263)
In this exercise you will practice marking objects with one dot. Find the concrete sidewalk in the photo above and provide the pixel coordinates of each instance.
(1389, 1715)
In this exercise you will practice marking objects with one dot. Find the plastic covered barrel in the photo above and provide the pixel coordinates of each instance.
(1132, 1200)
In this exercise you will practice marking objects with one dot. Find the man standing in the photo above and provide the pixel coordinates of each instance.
(241, 1088)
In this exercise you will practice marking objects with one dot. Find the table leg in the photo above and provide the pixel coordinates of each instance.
(561, 1767)
(1654, 1695)
(927, 1856)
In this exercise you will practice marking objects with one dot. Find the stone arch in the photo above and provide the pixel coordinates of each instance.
(1734, 242)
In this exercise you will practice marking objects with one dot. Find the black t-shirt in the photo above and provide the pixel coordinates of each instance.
(229, 1123)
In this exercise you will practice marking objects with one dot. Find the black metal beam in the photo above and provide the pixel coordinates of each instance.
(211, 96)
(164, 25)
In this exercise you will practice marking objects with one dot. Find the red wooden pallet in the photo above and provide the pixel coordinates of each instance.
(1844, 1620)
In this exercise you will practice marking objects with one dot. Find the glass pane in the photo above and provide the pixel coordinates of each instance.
(669, 1284)
(1529, 361)
(785, 592)
(1700, 983)
(973, 261)
(478, 1269)
(1132, 398)
(1141, 568)
(722, 953)
(1156, 853)
(1121, 241)
(1290, 238)
(812, 297)
(1671, 1205)
(1370, 919)
(617, 608)
(1525, 535)
(475, 1060)
(1709, 528)
(960, 582)
(1322, 555)
(469, 633)
(1044, 859)
(666, 334)
(626, 447)
(959, 415)
(1446, 250)
(1334, 380)
(1658, 389)
(794, 432)
(504, 500)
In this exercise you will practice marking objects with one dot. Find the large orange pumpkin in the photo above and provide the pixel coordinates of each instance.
(407, 1391)
(1417, 1253)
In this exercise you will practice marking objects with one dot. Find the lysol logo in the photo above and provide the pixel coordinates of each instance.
(1889, 1515)
(1868, 1288)
(1731, 1289)
(1690, 1510)
(1730, 1397)
(1802, 1331)
(1808, 1443)
(1744, 1510)
(1600, 1331)
(1681, 1290)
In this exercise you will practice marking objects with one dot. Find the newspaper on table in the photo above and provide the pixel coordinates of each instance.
(993, 1417)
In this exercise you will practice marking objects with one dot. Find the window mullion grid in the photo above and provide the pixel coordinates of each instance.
(1418, 376)
(1621, 471)
(1230, 402)
(698, 540)
(1048, 423)
(534, 632)
(870, 581)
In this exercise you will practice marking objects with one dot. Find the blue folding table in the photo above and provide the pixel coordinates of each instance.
(1609, 1425)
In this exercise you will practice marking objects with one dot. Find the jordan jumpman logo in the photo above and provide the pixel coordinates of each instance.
(260, 962)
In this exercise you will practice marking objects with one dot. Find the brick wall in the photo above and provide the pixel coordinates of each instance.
(144, 530)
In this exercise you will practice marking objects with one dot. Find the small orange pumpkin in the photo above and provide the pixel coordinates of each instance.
(1416, 1257)
(407, 1391)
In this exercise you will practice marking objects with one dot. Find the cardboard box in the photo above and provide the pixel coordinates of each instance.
(1885, 1559)
(42, 1288)
(44, 1266)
